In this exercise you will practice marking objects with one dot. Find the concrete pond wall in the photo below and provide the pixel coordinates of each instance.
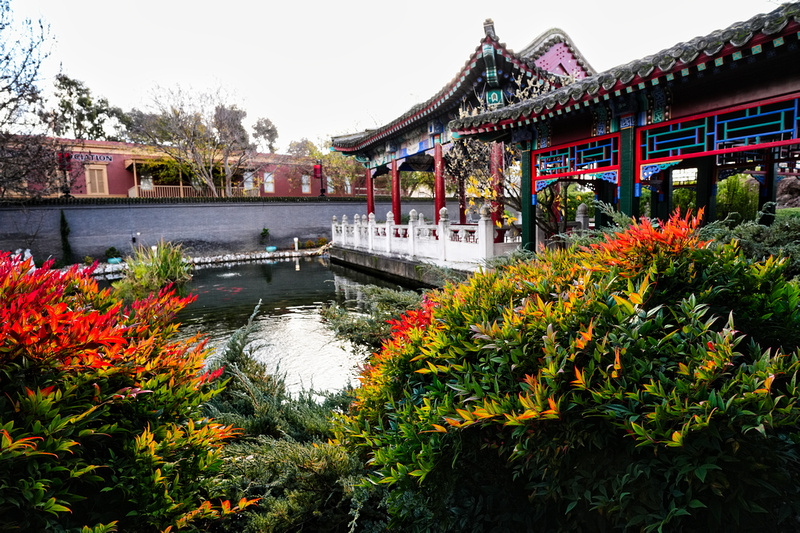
(202, 228)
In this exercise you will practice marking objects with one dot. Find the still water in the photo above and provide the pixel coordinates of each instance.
(290, 336)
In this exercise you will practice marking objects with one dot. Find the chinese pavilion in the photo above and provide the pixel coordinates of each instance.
(490, 78)
(720, 104)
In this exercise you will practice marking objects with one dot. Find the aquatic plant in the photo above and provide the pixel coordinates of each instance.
(152, 268)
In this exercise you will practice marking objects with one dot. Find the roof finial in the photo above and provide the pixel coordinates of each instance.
(488, 29)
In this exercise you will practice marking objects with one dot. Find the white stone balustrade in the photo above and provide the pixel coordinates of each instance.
(420, 240)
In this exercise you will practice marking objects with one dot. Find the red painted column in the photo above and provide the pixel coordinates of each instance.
(498, 206)
(370, 193)
(395, 191)
(438, 176)
(462, 202)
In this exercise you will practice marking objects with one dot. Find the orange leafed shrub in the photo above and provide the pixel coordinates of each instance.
(648, 382)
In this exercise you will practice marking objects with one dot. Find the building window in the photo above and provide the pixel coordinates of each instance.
(249, 183)
(96, 180)
(306, 184)
(331, 188)
(348, 187)
(269, 182)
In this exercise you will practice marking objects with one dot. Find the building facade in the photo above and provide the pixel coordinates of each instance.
(105, 169)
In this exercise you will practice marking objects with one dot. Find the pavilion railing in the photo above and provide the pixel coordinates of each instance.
(421, 240)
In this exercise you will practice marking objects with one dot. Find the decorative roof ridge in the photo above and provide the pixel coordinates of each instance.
(687, 53)
(365, 136)
(545, 40)
(488, 29)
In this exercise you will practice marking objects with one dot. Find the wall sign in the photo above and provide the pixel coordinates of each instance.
(93, 158)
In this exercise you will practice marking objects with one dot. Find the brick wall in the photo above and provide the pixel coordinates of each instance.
(201, 227)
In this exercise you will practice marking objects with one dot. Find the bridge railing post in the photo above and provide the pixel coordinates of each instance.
(345, 237)
(412, 233)
(444, 233)
(371, 226)
(389, 231)
(357, 231)
(486, 234)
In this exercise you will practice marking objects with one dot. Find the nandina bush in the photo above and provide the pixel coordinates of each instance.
(100, 409)
(645, 383)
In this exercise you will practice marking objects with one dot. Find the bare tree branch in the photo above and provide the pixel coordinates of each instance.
(27, 158)
(201, 131)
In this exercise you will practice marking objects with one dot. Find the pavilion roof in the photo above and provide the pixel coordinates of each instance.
(450, 96)
(739, 40)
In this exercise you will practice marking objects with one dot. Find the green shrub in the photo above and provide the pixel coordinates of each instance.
(283, 457)
(368, 326)
(684, 200)
(757, 241)
(310, 244)
(736, 195)
(100, 409)
(783, 215)
(322, 241)
(151, 269)
(647, 383)
(112, 252)
(66, 248)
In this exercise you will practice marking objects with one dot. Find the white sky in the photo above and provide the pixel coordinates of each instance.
(322, 68)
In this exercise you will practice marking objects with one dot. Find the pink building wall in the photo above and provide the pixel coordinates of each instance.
(117, 159)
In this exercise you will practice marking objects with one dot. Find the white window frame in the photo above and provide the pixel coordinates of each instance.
(306, 184)
(269, 182)
(248, 181)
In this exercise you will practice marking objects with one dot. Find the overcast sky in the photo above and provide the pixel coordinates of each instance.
(325, 68)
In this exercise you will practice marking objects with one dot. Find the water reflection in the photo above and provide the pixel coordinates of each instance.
(290, 334)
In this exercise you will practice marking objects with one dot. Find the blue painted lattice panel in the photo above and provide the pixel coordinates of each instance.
(769, 123)
(579, 158)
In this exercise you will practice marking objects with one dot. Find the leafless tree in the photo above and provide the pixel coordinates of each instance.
(201, 131)
(28, 163)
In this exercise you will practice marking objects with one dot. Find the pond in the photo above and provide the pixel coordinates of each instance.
(290, 336)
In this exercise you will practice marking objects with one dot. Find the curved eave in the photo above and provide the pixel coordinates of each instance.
(720, 47)
(442, 102)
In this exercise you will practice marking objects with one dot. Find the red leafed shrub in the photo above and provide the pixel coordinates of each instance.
(100, 417)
